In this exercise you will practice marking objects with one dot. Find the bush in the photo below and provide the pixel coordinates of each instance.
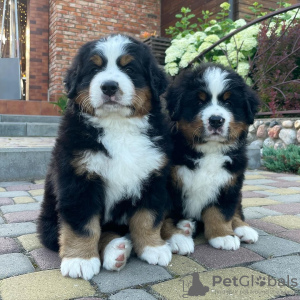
(282, 160)
(61, 103)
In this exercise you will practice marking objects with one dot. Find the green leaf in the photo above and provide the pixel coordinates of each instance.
(178, 16)
(193, 26)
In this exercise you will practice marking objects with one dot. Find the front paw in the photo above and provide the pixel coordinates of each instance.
(187, 226)
(246, 234)
(227, 242)
(181, 244)
(80, 268)
(159, 255)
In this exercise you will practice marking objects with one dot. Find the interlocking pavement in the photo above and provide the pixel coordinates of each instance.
(269, 269)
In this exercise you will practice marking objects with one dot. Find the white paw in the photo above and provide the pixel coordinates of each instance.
(160, 255)
(187, 226)
(79, 267)
(181, 244)
(116, 254)
(227, 242)
(246, 234)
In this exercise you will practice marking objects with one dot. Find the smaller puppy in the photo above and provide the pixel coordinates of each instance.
(212, 108)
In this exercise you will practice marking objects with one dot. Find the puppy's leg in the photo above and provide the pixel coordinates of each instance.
(218, 231)
(79, 252)
(146, 238)
(114, 251)
(242, 229)
(179, 237)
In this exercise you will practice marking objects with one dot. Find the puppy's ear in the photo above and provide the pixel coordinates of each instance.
(174, 97)
(71, 79)
(252, 103)
(158, 79)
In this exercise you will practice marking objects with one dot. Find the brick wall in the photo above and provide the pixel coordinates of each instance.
(74, 23)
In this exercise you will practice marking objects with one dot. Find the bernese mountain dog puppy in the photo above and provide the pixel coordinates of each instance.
(110, 163)
(212, 108)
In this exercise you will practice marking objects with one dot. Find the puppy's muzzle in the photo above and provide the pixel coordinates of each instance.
(216, 121)
(109, 88)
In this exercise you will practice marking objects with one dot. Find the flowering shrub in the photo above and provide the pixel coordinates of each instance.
(235, 52)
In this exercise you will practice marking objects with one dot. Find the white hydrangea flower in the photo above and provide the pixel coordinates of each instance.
(222, 59)
(243, 68)
(191, 49)
(212, 38)
(186, 58)
(200, 35)
(204, 46)
(234, 56)
(239, 23)
(173, 53)
(171, 68)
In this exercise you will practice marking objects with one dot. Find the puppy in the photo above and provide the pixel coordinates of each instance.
(212, 108)
(109, 167)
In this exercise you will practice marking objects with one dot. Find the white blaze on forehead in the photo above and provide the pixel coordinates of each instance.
(216, 82)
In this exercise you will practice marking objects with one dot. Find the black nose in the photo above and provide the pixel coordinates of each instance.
(109, 87)
(216, 121)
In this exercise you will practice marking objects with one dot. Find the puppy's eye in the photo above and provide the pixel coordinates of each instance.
(128, 70)
(227, 103)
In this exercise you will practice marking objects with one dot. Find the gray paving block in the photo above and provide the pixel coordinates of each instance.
(42, 129)
(132, 294)
(1, 220)
(39, 198)
(14, 264)
(17, 229)
(290, 178)
(12, 194)
(272, 246)
(12, 129)
(136, 272)
(286, 198)
(20, 207)
(13, 183)
(33, 119)
(286, 267)
(258, 181)
(24, 164)
(8, 245)
(260, 232)
(259, 212)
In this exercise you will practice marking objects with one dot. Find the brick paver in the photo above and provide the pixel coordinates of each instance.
(272, 206)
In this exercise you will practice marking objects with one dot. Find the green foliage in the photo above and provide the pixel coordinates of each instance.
(61, 103)
(282, 160)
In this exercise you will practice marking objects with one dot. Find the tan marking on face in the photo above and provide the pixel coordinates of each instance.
(202, 96)
(97, 60)
(143, 232)
(168, 229)
(105, 239)
(126, 59)
(215, 224)
(73, 244)
(236, 129)
(83, 100)
(226, 95)
(141, 102)
(191, 130)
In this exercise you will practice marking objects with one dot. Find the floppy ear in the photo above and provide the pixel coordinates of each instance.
(158, 79)
(173, 99)
(71, 79)
(251, 104)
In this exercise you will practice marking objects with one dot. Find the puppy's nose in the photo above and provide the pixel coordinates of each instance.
(109, 87)
(216, 121)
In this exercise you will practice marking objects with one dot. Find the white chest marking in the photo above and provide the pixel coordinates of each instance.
(133, 157)
(202, 185)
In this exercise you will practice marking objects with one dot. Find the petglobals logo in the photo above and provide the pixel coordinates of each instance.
(248, 281)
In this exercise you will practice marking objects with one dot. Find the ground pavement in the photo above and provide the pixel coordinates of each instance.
(272, 205)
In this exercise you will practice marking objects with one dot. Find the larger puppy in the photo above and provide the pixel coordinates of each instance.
(212, 108)
(110, 162)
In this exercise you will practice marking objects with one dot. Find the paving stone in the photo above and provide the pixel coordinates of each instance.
(289, 208)
(260, 232)
(136, 272)
(13, 194)
(182, 265)
(290, 178)
(249, 202)
(216, 259)
(250, 176)
(268, 194)
(272, 246)
(14, 264)
(268, 227)
(258, 212)
(285, 184)
(177, 289)
(256, 188)
(13, 183)
(46, 259)
(23, 200)
(89, 298)
(45, 285)
(41, 181)
(132, 294)
(1, 220)
(37, 192)
(281, 267)
(17, 229)
(20, 207)
(6, 201)
(22, 216)
(286, 198)
(285, 192)
(250, 194)
(8, 245)
(289, 298)
(25, 187)
(39, 198)
(2, 189)
(30, 241)
(259, 181)
(286, 221)
(293, 235)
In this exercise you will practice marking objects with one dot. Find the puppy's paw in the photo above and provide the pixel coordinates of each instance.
(116, 254)
(159, 255)
(181, 244)
(79, 267)
(187, 226)
(227, 242)
(246, 234)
